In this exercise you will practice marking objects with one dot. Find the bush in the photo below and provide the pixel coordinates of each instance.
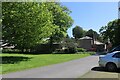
(58, 51)
(69, 50)
(6, 50)
(92, 53)
(81, 50)
(72, 50)
(10, 50)
(66, 51)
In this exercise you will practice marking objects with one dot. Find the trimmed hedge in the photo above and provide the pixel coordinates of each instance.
(10, 50)
(81, 50)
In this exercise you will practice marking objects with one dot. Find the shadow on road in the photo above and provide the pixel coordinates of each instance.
(12, 59)
(102, 69)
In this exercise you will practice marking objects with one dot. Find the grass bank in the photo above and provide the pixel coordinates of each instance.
(17, 62)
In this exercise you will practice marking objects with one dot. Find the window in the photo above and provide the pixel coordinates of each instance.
(116, 49)
(117, 55)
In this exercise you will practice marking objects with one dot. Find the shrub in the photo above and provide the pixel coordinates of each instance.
(81, 50)
(66, 51)
(10, 50)
(58, 51)
(72, 50)
(92, 53)
(6, 50)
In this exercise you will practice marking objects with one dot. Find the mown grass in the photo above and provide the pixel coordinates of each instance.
(17, 62)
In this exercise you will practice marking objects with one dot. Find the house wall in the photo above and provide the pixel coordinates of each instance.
(88, 44)
(85, 43)
(100, 48)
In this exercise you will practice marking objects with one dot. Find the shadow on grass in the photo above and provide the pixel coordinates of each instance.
(13, 59)
(102, 69)
(29, 53)
(26, 53)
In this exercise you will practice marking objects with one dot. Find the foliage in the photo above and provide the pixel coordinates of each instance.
(81, 50)
(93, 34)
(72, 50)
(61, 19)
(27, 24)
(0, 21)
(111, 31)
(78, 32)
(5, 50)
(0, 35)
(70, 45)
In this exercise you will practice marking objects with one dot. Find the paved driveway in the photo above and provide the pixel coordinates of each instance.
(71, 69)
(101, 74)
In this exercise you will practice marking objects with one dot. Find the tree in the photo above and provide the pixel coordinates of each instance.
(111, 31)
(78, 32)
(93, 34)
(0, 22)
(70, 45)
(61, 19)
(26, 24)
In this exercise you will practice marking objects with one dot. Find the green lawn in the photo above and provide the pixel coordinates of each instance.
(17, 62)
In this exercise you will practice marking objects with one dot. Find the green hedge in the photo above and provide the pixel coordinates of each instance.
(81, 50)
(10, 50)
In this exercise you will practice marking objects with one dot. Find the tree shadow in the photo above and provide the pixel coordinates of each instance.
(13, 59)
(103, 69)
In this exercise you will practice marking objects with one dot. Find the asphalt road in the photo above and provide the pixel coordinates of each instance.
(71, 69)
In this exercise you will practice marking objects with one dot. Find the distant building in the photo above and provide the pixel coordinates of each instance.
(85, 42)
(88, 43)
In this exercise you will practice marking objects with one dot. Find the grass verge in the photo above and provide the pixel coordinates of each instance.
(17, 62)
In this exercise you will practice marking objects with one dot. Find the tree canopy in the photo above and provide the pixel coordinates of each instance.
(78, 32)
(61, 19)
(26, 24)
(111, 31)
(93, 34)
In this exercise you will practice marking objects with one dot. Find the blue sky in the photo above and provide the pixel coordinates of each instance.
(91, 15)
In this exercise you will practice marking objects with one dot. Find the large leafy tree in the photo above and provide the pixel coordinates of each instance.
(0, 21)
(93, 34)
(111, 31)
(26, 24)
(78, 32)
(61, 19)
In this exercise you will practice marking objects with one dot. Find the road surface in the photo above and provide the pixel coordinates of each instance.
(71, 69)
